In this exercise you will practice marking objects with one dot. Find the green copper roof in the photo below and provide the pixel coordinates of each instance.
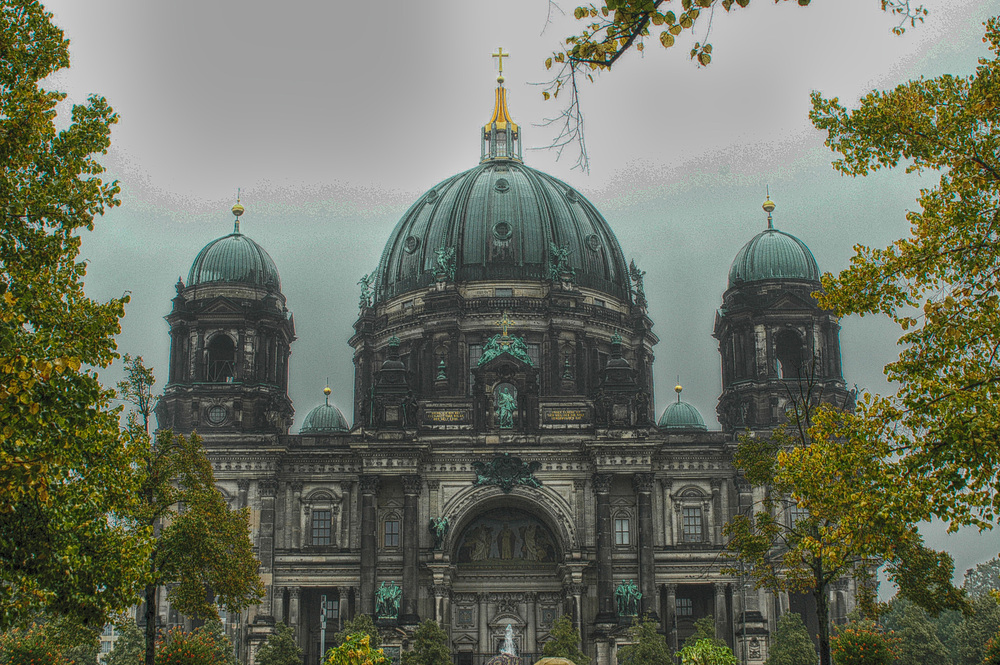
(501, 217)
(773, 254)
(324, 419)
(234, 258)
(681, 415)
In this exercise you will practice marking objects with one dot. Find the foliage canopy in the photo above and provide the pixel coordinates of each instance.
(66, 476)
(648, 646)
(937, 442)
(791, 644)
(564, 642)
(280, 648)
(430, 646)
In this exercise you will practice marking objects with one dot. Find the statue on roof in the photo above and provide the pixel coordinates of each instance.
(636, 275)
(559, 268)
(444, 263)
(367, 284)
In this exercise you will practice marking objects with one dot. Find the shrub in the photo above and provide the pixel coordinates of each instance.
(21, 647)
(862, 643)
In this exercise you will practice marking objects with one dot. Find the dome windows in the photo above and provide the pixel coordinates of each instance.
(221, 360)
(502, 231)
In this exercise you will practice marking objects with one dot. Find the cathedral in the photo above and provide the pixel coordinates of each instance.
(502, 465)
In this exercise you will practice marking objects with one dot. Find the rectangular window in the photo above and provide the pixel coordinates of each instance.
(534, 352)
(692, 525)
(685, 607)
(321, 527)
(621, 531)
(798, 513)
(391, 538)
(599, 303)
(105, 646)
(475, 353)
(504, 293)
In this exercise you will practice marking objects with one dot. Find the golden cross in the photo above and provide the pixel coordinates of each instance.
(504, 322)
(500, 55)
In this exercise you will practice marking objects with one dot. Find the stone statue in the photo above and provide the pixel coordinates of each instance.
(387, 598)
(439, 527)
(637, 275)
(559, 269)
(367, 284)
(508, 646)
(506, 405)
(627, 597)
(445, 263)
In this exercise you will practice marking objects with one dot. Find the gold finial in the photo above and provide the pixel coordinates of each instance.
(678, 388)
(237, 210)
(500, 55)
(327, 391)
(504, 323)
(769, 208)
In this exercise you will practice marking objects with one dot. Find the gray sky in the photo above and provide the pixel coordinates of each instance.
(334, 117)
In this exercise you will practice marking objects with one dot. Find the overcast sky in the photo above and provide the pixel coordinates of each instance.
(333, 117)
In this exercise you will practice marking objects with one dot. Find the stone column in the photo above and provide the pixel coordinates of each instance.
(605, 579)
(668, 513)
(411, 548)
(267, 488)
(483, 622)
(369, 524)
(293, 614)
(670, 616)
(295, 515)
(722, 628)
(278, 604)
(719, 516)
(643, 484)
(243, 487)
(530, 634)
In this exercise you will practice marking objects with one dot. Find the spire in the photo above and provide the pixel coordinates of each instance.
(501, 135)
(769, 208)
(237, 210)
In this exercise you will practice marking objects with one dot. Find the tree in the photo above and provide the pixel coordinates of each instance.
(977, 629)
(130, 646)
(360, 624)
(983, 579)
(919, 643)
(648, 646)
(707, 652)
(791, 644)
(355, 650)
(614, 27)
(815, 494)
(940, 285)
(203, 553)
(280, 648)
(430, 646)
(66, 476)
(564, 642)
(704, 629)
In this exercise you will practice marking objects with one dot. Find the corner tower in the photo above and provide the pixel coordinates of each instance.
(230, 338)
(777, 345)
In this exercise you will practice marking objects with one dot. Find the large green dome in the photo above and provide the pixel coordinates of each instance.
(501, 217)
(773, 254)
(324, 419)
(234, 258)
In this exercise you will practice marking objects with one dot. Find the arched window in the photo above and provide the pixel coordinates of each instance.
(221, 359)
(788, 350)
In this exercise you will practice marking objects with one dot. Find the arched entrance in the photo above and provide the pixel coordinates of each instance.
(507, 570)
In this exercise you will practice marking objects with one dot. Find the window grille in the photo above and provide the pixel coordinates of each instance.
(321, 528)
(692, 525)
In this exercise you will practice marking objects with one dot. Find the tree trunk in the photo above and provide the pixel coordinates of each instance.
(823, 618)
(150, 624)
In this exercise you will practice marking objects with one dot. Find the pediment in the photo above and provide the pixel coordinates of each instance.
(221, 305)
(790, 301)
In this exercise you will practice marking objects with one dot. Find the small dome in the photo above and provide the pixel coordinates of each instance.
(773, 254)
(681, 415)
(324, 419)
(234, 258)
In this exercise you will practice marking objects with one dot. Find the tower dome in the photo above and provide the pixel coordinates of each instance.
(234, 258)
(500, 221)
(325, 419)
(773, 254)
(681, 416)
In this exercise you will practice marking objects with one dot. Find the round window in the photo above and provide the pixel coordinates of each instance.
(432, 196)
(501, 185)
(411, 244)
(503, 230)
(217, 414)
(572, 196)
(593, 242)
